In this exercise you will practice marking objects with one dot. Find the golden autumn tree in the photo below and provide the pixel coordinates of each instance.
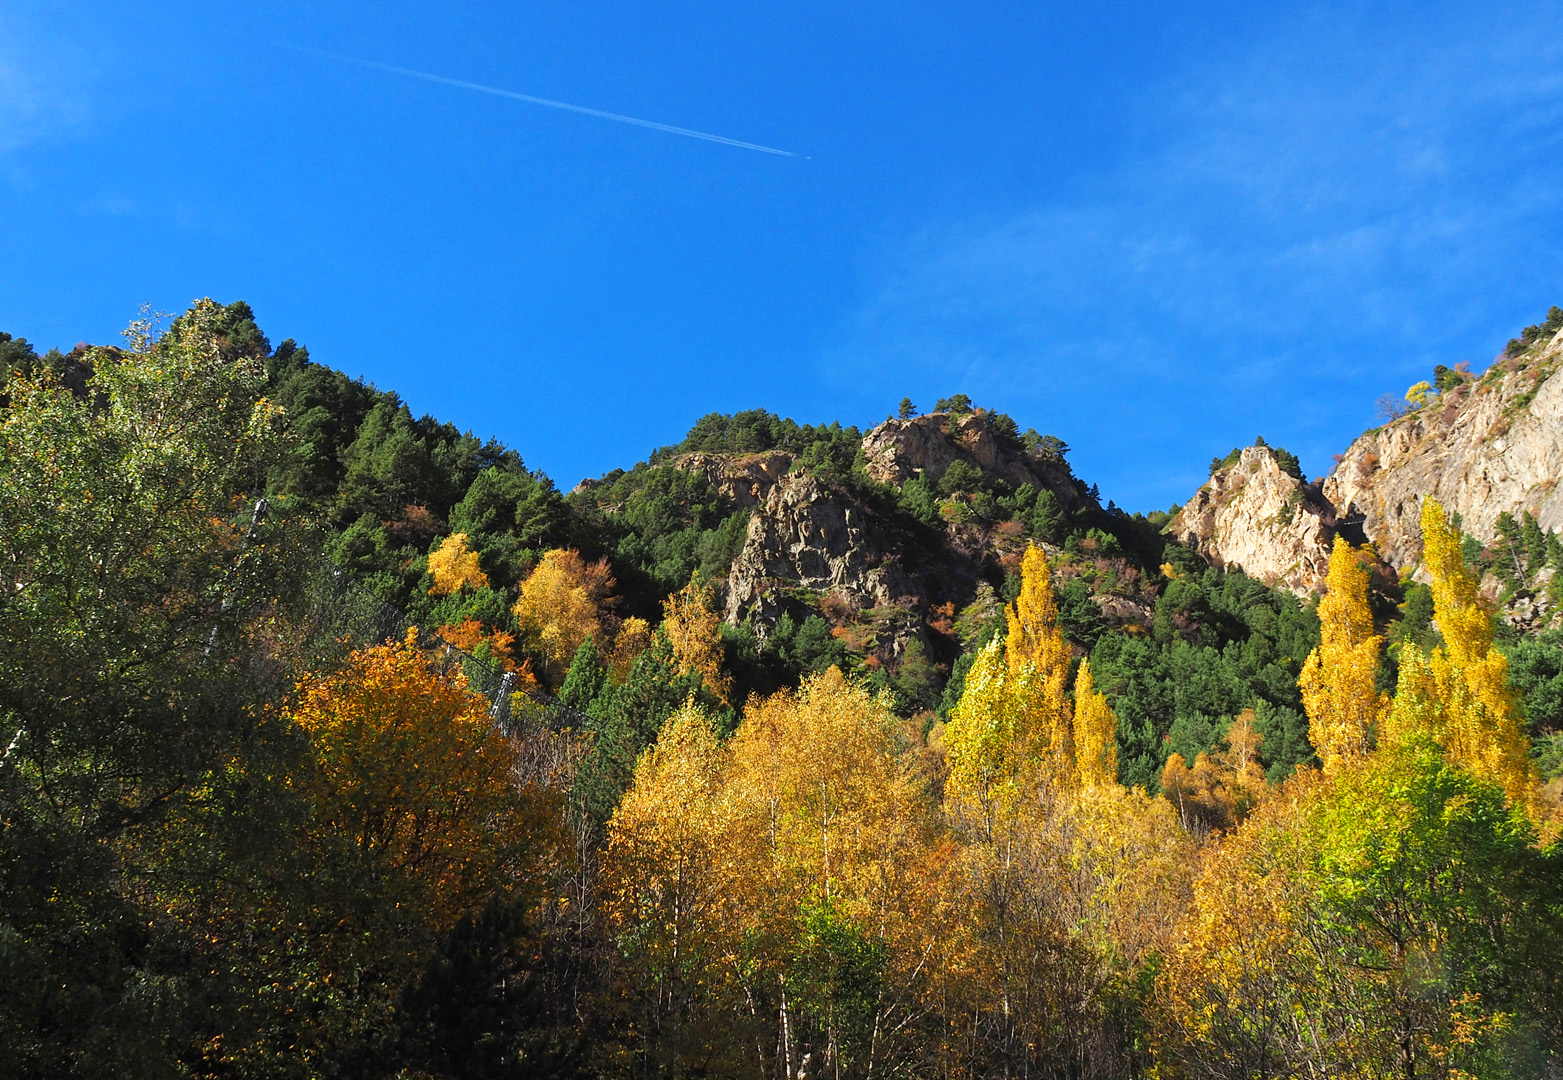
(1458, 694)
(1014, 724)
(631, 639)
(561, 605)
(666, 875)
(454, 567)
(694, 629)
(1035, 651)
(776, 886)
(1095, 731)
(1219, 789)
(1338, 693)
(412, 778)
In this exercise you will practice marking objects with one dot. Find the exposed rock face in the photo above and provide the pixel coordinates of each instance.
(746, 480)
(1489, 446)
(1252, 515)
(806, 536)
(1481, 449)
(898, 450)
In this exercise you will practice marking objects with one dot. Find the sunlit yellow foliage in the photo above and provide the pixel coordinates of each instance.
(410, 771)
(454, 567)
(1459, 694)
(718, 849)
(632, 638)
(1096, 733)
(1219, 789)
(560, 606)
(1337, 679)
(1232, 984)
(694, 630)
(667, 868)
(1014, 725)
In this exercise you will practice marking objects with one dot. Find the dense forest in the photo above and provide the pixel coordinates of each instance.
(1039, 791)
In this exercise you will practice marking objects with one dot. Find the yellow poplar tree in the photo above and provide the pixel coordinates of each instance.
(1096, 733)
(1459, 693)
(1014, 722)
(1337, 678)
(454, 567)
(982, 742)
(1036, 654)
(695, 632)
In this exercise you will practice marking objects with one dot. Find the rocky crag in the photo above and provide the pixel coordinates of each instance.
(1256, 516)
(1485, 447)
(850, 551)
(1488, 446)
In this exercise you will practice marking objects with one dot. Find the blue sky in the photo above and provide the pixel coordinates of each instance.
(1152, 230)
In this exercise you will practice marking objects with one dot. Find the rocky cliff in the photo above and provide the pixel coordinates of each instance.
(1486, 446)
(1490, 445)
(1254, 515)
(806, 536)
(897, 450)
(869, 565)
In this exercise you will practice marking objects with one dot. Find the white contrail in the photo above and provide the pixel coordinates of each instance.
(531, 100)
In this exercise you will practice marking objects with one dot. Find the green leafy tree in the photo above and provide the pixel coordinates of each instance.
(133, 646)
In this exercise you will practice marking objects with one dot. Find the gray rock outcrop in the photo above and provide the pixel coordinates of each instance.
(1255, 516)
(807, 536)
(1489, 446)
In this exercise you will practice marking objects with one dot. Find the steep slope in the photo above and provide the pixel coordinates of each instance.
(1486, 447)
(1255, 515)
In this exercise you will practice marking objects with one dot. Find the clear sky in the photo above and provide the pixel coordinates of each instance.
(1153, 230)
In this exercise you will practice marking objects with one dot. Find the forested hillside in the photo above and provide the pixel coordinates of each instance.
(891, 751)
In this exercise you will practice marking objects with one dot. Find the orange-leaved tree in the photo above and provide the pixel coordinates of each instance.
(1337, 684)
(411, 781)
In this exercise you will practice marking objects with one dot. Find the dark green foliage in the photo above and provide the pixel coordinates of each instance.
(1049, 448)
(1079, 615)
(1284, 744)
(1045, 518)
(906, 410)
(915, 681)
(1221, 642)
(1541, 332)
(1446, 378)
(662, 526)
(838, 979)
(756, 430)
(960, 477)
(920, 500)
(482, 1008)
(586, 679)
(804, 646)
(1285, 459)
(628, 717)
(1289, 463)
(1536, 673)
(955, 405)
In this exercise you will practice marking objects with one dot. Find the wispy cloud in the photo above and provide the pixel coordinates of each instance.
(40, 95)
(549, 103)
(1317, 219)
